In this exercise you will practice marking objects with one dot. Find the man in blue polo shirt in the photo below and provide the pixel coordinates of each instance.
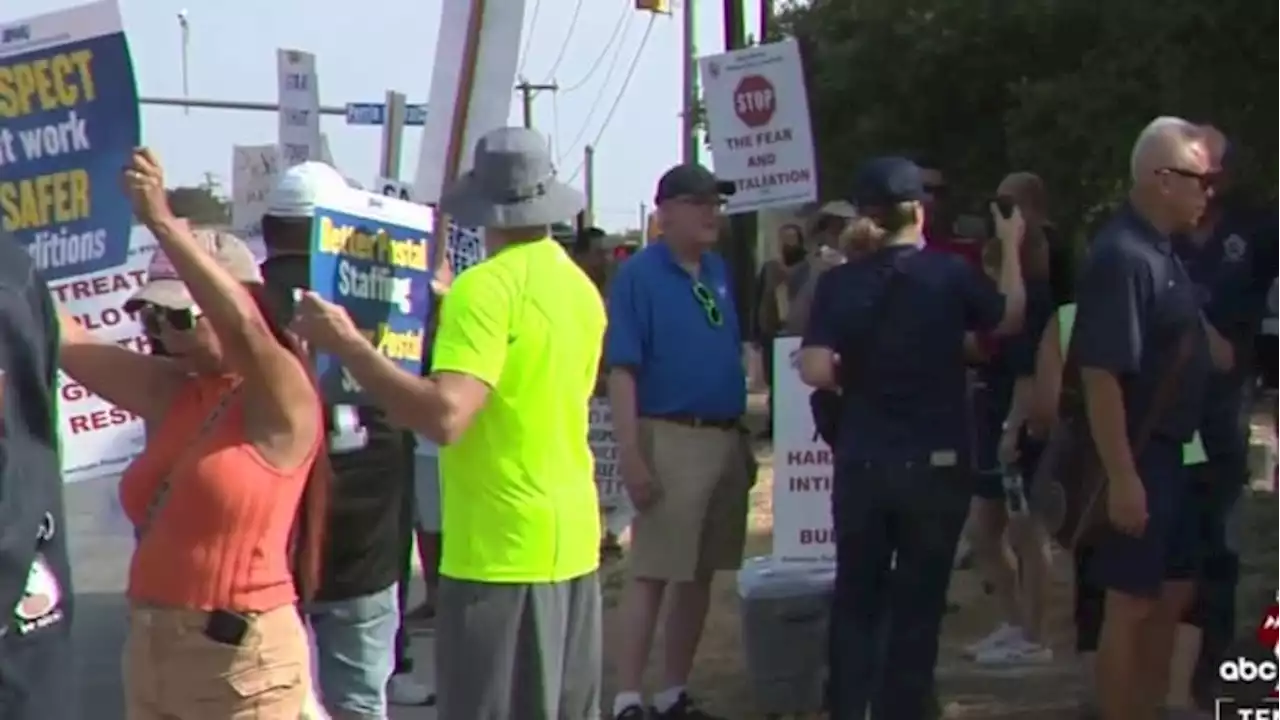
(1137, 312)
(887, 332)
(1226, 259)
(678, 391)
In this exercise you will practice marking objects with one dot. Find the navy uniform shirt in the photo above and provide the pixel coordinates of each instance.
(1232, 273)
(905, 398)
(1014, 358)
(1134, 304)
(685, 364)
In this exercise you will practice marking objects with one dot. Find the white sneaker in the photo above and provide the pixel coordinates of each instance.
(1003, 635)
(404, 689)
(1018, 652)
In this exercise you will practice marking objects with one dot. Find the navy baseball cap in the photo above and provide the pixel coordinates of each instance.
(691, 180)
(887, 181)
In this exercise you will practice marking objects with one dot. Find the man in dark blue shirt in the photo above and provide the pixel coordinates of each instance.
(1227, 259)
(678, 391)
(1137, 314)
(887, 331)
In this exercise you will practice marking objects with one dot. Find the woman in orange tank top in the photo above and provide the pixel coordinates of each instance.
(227, 496)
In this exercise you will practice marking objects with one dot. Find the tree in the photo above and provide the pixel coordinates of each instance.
(200, 204)
(1059, 87)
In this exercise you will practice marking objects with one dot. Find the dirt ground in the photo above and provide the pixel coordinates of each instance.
(1042, 693)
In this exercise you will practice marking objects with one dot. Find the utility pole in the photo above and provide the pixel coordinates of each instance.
(392, 135)
(644, 224)
(589, 182)
(184, 26)
(766, 20)
(689, 75)
(527, 91)
(739, 250)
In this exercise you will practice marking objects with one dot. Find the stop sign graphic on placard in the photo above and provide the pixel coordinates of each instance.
(754, 100)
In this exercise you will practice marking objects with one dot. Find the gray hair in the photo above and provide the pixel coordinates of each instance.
(1162, 136)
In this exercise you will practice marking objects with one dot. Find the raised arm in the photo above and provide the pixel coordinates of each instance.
(142, 384)
(277, 385)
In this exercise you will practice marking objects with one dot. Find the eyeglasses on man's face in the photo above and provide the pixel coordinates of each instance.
(707, 300)
(156, 318)
(1206, 180)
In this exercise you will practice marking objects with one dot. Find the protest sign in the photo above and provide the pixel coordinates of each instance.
(299, 100)
(98, 438)
(758, 126)
(370, 254)
(801, 466)
(254, 172)
(615, 505)
(68, 123)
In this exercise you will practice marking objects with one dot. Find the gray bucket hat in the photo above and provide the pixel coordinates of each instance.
(511, 184)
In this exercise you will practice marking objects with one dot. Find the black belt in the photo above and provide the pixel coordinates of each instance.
(698, 422)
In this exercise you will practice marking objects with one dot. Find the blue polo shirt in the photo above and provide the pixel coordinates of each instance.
(1134, 303)
(684, 364)
(1231, 272)
(905, 397)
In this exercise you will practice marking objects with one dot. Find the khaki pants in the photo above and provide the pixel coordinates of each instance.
(173, 672)
(699, 521)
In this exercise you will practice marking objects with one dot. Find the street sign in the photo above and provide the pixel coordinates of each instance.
(376, 114)
(754, 100)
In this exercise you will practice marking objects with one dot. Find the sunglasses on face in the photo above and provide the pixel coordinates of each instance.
(707, 300)
(155, 319)
(1206, 180)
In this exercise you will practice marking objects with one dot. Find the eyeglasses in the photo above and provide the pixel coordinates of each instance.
(1205, 179)
(707, 300)
(155, 318)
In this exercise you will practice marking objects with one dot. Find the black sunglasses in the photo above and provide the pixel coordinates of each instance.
(155, 318)
(1206, 179)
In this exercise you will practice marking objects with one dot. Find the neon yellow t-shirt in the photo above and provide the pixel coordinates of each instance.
(1193, 452)
(518, 492)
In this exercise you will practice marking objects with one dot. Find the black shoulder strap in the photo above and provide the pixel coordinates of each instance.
(881, 308)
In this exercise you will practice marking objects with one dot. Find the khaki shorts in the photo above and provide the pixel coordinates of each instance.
(171, 670)
(699, 521)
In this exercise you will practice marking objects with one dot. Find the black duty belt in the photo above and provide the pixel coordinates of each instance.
(698, 422)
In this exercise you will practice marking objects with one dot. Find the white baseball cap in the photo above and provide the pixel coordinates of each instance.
(298, 188)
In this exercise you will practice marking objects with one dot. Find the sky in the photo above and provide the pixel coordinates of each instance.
(366, 47)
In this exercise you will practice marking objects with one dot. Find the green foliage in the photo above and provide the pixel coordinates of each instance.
(1059, 87)
(200, 204)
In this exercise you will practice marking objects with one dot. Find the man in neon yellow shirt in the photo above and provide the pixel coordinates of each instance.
(513, 368)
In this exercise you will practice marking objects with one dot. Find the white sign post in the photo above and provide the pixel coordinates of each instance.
(299, 107)
(801, 467)
(758, 124)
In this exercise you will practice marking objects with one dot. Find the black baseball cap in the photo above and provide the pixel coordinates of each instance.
(886, 181)
(691, 180)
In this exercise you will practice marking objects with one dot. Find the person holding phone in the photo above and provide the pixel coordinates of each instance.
(227, 497)
(887, 333)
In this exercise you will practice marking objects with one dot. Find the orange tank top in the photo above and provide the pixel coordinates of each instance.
(219, 540)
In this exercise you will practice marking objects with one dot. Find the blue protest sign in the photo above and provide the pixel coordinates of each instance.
(371, 254)
(68, 123)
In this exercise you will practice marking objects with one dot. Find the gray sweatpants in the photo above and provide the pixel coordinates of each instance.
(518, 651)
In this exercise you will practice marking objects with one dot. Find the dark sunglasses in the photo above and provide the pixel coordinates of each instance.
(1205, 179)
(707, 300)
(155, 318)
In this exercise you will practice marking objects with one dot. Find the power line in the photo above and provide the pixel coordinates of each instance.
(617, 101)
(599, 98)
(533, 24)
(564, 47)
(627, 13)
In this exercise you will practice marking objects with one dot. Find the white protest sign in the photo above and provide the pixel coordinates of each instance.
(254, 172)
(299, 99)
(758, 125)
(99, 439)
(615, 505)
(801, 466)
(393, 188)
